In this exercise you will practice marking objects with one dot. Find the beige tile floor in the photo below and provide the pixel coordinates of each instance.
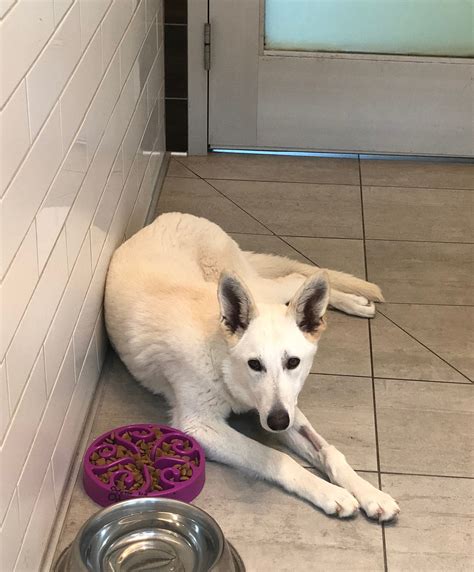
(394, 394)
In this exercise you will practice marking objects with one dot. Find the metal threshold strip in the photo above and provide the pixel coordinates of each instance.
(373, 156)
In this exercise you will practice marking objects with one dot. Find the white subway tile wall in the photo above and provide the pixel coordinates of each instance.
(82, 122)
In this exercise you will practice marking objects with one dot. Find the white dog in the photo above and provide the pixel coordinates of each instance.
(218, 330)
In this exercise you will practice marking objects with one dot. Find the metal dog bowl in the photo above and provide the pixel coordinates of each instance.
(150, 534)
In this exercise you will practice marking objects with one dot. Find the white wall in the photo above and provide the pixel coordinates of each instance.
(82, 141)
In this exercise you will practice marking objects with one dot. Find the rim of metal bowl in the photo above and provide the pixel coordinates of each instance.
(239, 563)
(141, 505)
(60, 564)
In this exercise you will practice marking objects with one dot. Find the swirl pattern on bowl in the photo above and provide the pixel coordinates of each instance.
(179, 478)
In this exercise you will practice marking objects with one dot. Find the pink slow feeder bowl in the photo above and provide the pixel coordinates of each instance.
(112, 462)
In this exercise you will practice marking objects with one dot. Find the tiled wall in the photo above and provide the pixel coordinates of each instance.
(82, 142)
(176, 74)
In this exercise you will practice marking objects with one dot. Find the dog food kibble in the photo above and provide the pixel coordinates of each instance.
(140, 465)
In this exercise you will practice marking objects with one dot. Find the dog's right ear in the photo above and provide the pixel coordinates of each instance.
(236, 303)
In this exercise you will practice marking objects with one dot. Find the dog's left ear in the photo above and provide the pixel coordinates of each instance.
(310, 303)
(236, 303)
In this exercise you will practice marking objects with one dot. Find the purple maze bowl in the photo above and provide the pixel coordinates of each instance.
(144, 460)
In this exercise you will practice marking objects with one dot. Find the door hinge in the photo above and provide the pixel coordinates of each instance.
(207, 47)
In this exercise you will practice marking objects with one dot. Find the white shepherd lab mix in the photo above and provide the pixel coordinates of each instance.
(218, 330)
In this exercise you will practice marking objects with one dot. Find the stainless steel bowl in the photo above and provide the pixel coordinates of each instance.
(150, 534)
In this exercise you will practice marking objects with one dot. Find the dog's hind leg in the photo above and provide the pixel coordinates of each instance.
(224, 444)
(351, 304)
(308, 444)
(277, 267)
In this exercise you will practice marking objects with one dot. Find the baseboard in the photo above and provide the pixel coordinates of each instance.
(157, 190)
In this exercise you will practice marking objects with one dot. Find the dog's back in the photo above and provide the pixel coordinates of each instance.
(161, 294)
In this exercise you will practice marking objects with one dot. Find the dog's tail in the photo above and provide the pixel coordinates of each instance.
(352, 285)
(270, 266)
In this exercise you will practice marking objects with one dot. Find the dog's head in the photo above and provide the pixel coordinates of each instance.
(271, 346)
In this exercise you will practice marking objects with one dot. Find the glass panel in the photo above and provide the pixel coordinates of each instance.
(422, 27)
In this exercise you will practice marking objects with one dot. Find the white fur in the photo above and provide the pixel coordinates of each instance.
(168, 289)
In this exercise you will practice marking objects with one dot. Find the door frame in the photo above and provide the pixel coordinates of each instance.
(198, 79)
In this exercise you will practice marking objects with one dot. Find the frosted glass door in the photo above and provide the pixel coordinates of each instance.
(348, 76)
(422, 27)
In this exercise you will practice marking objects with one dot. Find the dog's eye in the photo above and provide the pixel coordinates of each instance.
(293, 363)
(255, 364)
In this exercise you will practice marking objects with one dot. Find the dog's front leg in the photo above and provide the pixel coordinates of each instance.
(304, 441)
(224, 444)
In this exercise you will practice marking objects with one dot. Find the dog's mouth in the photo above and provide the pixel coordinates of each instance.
(276, 430)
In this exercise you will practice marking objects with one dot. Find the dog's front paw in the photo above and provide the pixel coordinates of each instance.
(379, 505)
(337, 501)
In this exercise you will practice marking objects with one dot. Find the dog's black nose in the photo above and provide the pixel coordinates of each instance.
(278, 420)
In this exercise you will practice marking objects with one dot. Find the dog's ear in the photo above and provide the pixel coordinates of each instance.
(236, 303)
(310, 303)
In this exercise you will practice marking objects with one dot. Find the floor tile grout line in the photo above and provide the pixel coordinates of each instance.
(272, 233)
(286, 235)
(312, 262)
(417, 241)
(377, 443)
(277, 182)
(466, 383)
(241, 208)
(360, 239)
(361, 196)
(374, 405)
(390, 378)
(401, 474)
(179, 176)
(364, 185)
(371, 357)
(426, 347)
(234, 203)
(369, 239)
(371, 354)
(436, 476)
